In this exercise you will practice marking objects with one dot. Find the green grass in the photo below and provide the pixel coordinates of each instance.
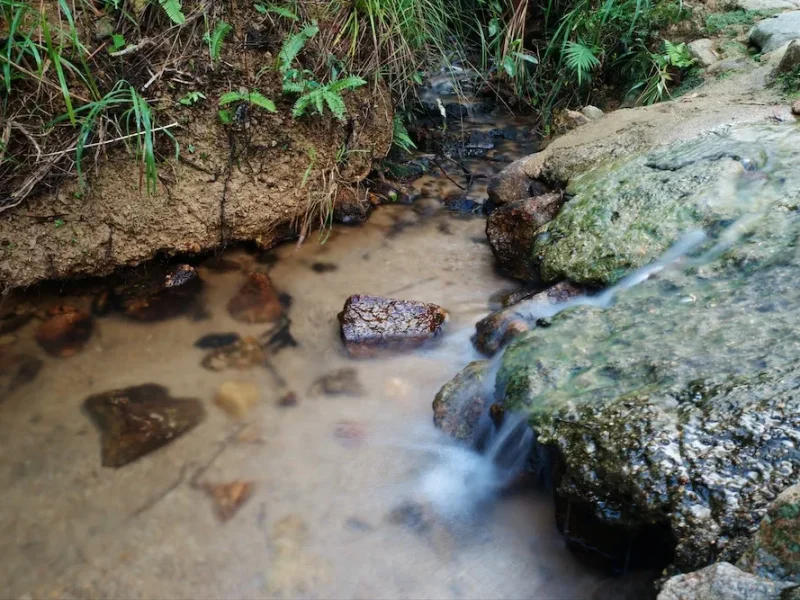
(734, 22)
(789, 83)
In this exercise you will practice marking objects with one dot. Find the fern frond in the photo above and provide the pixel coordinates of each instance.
(260, 100)
(231, 97)
(348, 83)
(335, 103)
(318, 101)
(173, 10)
(283, 12)
(299, 108)
(215, 43)
(294, 44)
(581, 60)
(294, 87)
(400, 137)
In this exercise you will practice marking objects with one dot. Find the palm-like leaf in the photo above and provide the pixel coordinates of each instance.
(581, 60)
(173, 10)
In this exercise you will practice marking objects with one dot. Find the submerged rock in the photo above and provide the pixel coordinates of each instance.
(16, 370)
(243, 354)
(137, 420)
(217, 340)
(343, 382)
(370, 324)
(14, 318)
(228, 498)
(237, 398)
(499, 328)
(65, 331)
(163, 296)
(721, 581)
(775, 549)
(511, 230)
(257, 301)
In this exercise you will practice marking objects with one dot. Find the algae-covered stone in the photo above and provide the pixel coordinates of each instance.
(775, 550)
(625, 214)
(460, 403)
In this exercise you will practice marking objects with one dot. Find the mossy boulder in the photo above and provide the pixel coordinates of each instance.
(626, 213)
(775, 550)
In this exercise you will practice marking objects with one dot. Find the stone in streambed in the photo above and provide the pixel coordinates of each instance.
(343, 382)
(499, 328)
(14, 318)
(243, 354)
(721, 581)
(775, 549)
(460, 403)
(217, 340)
(512, 184)
(370, 324)
(166, 295)
(257, 301)
(237, 398)
(511, 231)
(137, 420)
(65, 331)
(16, 370)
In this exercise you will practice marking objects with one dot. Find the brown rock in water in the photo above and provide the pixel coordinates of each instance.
(65, 332)
(796, 108)
(16, 370)
(256, 302)
(13, 319)
(173, 295)
(512, 184)
(511, 230)
(460, 403)
(243, 354)
(228, 498)
(288, 399)
(137, 420)
(496, 330)
(343, 382)
(237, 398)
(370, 324)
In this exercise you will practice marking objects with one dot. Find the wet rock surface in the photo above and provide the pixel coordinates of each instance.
(228, 498)
(512, 184)
(721, 581)
(371, 324)
(257, 301)
(137, 420)
(627, 213)
(245, 353)
(775, 550)
(64, 331)
(499, 328)
(164, 294)
(512, 228)
(459, 405)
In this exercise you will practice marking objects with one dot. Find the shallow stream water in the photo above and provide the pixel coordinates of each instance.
(352, 495)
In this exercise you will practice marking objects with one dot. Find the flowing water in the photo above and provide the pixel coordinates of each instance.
(353, 495)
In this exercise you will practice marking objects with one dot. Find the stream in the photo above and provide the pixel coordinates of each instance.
(350, 490)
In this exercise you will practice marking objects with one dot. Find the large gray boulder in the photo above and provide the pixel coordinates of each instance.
(771, 34)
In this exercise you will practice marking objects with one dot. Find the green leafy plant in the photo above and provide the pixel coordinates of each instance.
(174, 11)
(674, 59)
(281, 11)
(581, 60)
(251, 98)
(216, 38)
(192, 98)
(400, 137)
(734, 22)
(319, 96)
(789, 82)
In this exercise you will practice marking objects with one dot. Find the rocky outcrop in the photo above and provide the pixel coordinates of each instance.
(771, 34)
(722, 581)
(512, 184)
(703, 52)
(511, 230)
(459, 404)
(371, 324)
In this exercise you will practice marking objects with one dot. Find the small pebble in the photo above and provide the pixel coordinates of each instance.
(236, 398)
